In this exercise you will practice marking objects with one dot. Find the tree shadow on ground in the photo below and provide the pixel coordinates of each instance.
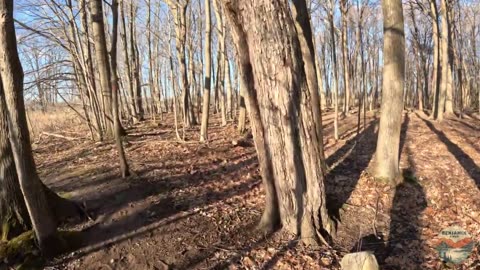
(161, 206)
(270, 264)
(463, 122)
(348, 165)
(465, 160)
(409, 201)
(403, 249)
(138, 189)
(239, 252)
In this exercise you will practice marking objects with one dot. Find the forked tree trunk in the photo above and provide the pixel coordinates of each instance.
(11, 95)
(283, 118)
(388, 143)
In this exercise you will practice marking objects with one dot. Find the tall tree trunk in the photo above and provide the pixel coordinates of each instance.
(419, 59)
(192, 82)
(11, 97)
(135, 64)
(127, 62)
(13, 212)
(346, 79)
(444, 65)
(221, 61)
(208, 73)
(447, 18)
(286, 117)
(388, 143)
(437, 74)
(115, 89)
(96, 11)
(228, 88)
(179, 15)
(305, 37)
(335, 68)
(151, 71)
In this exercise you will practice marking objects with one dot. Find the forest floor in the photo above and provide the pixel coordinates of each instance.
(194, 206)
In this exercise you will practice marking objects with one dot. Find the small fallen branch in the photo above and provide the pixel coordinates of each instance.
(166, 141)
(56, 136)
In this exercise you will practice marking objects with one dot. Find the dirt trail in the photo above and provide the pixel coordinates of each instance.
(194, 206)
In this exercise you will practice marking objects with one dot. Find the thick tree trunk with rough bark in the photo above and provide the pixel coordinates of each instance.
(388, 143)
(283, 118)
(13, 212)
(11, 95)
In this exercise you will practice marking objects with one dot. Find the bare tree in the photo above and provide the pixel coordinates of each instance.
(11, 97)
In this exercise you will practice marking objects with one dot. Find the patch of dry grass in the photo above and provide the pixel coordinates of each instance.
(59, 119)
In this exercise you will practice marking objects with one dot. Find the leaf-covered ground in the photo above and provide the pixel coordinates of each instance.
(194, 206)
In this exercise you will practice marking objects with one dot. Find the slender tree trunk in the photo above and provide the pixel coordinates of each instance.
(242, 118)
(115, 89)
(151, 71)
(228, 88)
(221, 61)
(135, 64)
(335, 68)
(449, 101)
(127, 63)
(98, 27)
(346, 79)
(437, 75)
(419, 58)
(444, 65)
(208, 73)
(388, 143)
